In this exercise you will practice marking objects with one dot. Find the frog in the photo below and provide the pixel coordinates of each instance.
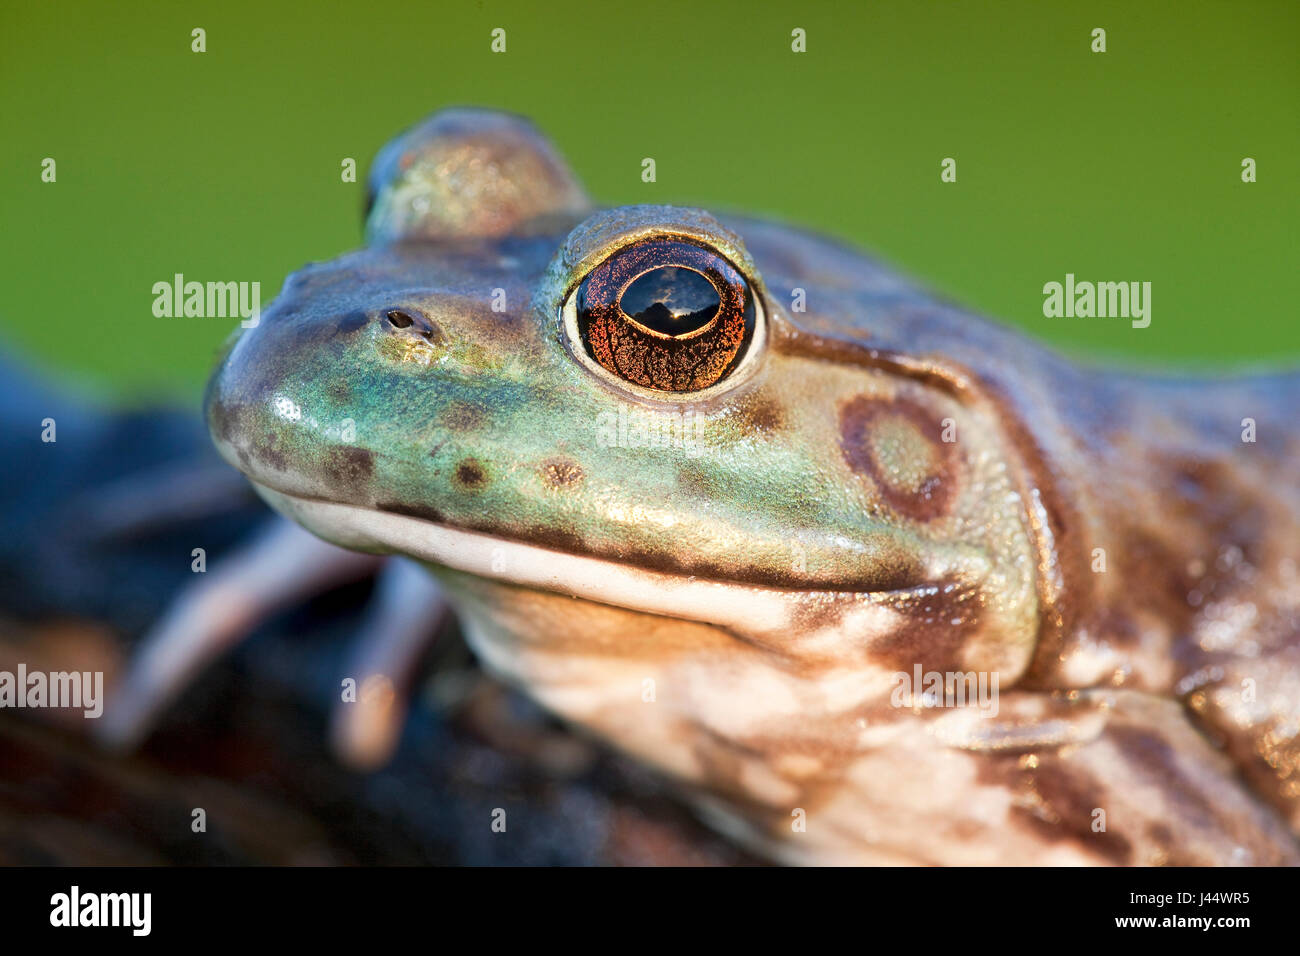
(872, 579)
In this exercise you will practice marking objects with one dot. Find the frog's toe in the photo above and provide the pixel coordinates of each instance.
(401, 622)
(282, 566)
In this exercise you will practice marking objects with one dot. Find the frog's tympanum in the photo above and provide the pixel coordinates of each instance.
(875, 580)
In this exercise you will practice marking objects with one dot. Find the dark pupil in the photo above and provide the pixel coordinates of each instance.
(671, 300)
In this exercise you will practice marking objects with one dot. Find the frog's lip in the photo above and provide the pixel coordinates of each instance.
(745, 607)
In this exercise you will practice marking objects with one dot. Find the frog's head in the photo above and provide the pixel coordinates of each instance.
(614, 404)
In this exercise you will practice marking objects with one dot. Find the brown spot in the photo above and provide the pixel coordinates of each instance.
(814, 614)
(557, 539)
(698, 481)
(933, 489)
(763, 414)
(1118, 625)
(348, 465)
(227, 421)
(1154, 758)
(470, 474)
(462, 417)
(963, 829)
(340, 391)
(1161, 836)
(1057, 801)
(937, 623)
(1069, 798)
(268, 450)
(561, 472)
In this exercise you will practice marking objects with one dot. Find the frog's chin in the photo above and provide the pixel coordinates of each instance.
(744, 607)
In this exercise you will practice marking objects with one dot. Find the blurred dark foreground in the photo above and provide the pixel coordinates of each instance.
(96, 534)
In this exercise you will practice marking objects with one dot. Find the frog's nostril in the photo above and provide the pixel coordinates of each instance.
(432, 332)
(413, 322)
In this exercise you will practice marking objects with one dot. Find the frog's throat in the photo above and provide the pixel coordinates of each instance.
(739, 606)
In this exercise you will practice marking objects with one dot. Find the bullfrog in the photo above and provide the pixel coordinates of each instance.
(874, 580)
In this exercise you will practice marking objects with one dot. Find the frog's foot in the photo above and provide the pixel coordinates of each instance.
(281, 567)
(400, 623)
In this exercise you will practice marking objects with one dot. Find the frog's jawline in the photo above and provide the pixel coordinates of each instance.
(729, 603)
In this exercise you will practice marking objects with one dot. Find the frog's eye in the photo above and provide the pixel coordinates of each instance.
(666, 314)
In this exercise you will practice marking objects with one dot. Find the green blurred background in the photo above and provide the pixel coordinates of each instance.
(225, 165)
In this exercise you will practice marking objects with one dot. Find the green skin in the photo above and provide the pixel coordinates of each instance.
(887, 483)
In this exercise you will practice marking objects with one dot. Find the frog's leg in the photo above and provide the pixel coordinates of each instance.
(401, 621)
(283, 565)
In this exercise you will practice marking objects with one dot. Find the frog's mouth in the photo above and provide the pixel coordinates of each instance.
(743, 607)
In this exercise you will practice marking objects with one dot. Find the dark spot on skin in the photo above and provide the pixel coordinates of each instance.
(268, 451)
(1057, 802)
(722, 761)
(1155, 758)
(462, 417)
(859, 415)
(352, 321)
(1145, 557)
(1161, 836)
(222, 419)
(927, 634)
(963, 829)
(340, 391)
(763, 414)
(1070, 797)
(697, 481)
(815, 615)
(349, 466)
(562, 473)
(557, 539)
(470, 474)
(411, 511)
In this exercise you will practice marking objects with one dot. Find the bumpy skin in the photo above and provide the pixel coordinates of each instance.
(891, 483)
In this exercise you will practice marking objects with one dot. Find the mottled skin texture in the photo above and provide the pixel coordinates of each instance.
(891, 482)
